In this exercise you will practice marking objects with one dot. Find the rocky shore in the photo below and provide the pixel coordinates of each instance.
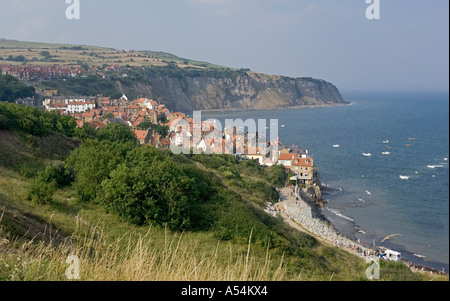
(311, 220)
(305, 212)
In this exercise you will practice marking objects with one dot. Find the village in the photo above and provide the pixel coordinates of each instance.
(154, 124)
(40, 73)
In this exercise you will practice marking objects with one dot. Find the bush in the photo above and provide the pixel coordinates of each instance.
(40, 191)
(151, 189)
(116, 132)
(93, 162)
(42, 187)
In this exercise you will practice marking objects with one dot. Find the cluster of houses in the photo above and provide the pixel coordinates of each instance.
(205, 138)
(181, 132)
(40, 73)
(100, 111)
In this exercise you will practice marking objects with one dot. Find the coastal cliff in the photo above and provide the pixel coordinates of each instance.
(233, 90)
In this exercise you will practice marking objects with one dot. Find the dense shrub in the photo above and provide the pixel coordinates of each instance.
(42, 187)
(116, 132)
(149, 188)
(93, 162)
(33, 121)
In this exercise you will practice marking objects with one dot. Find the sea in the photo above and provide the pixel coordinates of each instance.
(402, 196)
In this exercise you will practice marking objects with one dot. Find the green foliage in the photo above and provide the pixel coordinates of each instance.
(42, 187)
(175, 72)
(145, 125)
(33, 121)
(161, 129)
(85, 132)
(93, 162)
(90, 85)
(19, 58)
(107, 116)
(45, 54)
(149, 191)
(11, 89)
(41, 191)
(115, 132)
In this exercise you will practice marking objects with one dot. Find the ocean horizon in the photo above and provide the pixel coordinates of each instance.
(401, 189)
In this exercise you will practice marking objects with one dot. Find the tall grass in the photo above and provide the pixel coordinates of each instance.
(140, 260)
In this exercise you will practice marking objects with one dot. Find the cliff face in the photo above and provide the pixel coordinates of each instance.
(241, 91)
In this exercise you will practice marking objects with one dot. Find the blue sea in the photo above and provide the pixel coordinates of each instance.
(368, 199)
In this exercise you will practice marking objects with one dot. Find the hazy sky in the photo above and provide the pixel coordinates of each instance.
(407, 49)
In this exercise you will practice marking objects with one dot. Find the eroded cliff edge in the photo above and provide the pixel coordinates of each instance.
(234, 91)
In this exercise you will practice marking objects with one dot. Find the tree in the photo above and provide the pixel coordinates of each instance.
(19, 58)
(85, 132)
(161, 129)
(42, 187)
(93, 162)
(45, 54)
(107, 116)
(149, 188)
(143, 126)
(11, 89)
(116, 132)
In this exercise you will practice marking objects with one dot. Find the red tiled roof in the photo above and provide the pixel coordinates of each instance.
(141, 135)
(97, 124)
(308, 162)
(287, 157)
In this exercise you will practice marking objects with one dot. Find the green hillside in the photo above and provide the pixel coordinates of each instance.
(37, 53)
(137, 213)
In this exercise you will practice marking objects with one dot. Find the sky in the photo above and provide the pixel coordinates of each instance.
(407, 49)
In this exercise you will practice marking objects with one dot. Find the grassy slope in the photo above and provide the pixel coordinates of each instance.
(92, 55)
(126, 252)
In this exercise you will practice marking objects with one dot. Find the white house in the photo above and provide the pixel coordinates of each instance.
(80, 107)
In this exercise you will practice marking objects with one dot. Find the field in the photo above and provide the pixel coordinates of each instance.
(65, 55)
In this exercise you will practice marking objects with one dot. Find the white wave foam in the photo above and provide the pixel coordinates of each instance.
(420, 256)
(335, 212)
